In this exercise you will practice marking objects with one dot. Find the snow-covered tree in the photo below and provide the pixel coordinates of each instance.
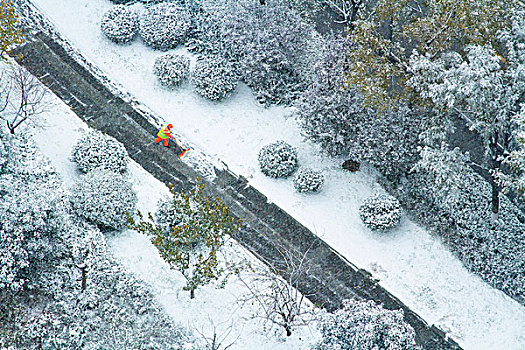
(460, 200)
(383, 40)
(97, 150)
(380, 212)
(32, 209)
(120, 24)
(270, 44)
(333, 115)
(191, 235)
(484, 89)
(308, 180)
(172, 69)
(104, 198)
(214, 78)
(278, 159)
(164, 26)
(362, 325)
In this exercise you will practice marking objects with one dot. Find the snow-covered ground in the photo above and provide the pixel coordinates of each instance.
(409, 262)
(212, 309)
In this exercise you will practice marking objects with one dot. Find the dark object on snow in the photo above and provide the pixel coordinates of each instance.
(351, 165)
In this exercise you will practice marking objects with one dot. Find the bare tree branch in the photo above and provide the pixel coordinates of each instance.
(275, 291)
(24, 99)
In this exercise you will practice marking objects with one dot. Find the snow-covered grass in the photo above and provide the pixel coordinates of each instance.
(408, 261)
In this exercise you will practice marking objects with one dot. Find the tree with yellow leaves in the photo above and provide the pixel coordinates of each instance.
(384, 39)
(10, 31)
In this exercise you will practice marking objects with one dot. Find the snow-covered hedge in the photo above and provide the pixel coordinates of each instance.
(362, 325)
(308, 180)
(278, 159)
(380, 212)
(171, 69)
(120, 24)
(95, 149)
(164, 26)
(445, 193)
(214, 78)
(271, 45)
(104, 198)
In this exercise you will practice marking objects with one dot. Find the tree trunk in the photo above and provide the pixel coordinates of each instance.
(288, 330)
(495, 164)
(192, 293)
(262, 2)
(84, 278)
(495, 200)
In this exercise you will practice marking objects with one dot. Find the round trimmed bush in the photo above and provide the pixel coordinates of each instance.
(171, 69)
(214, 78)
(364, 325)
(380, 212)
(308, 180)
(278, 159)
(97, 150)
(164, 26)
(120, 24)
(104, 198)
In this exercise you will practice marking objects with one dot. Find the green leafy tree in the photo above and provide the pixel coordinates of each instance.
(190, 231)
(10, 31)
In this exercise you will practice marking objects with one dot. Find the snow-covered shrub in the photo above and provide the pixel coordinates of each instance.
(362, 325)
(308, 180)
(103, 197)
(171, 69)
(164, 26)
(380, 212)
(278, 159)
(120, 2)
(120, 24)
(166, 215)
(271, 46)
(333, 115)
(214, 78)
(95, 149)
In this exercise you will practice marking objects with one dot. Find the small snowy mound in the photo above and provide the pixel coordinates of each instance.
(380, 212)
(120, 24)
(164, 26)
(96, 149)
(214, 78)
(308, 180)
(104, 198)
(278, 159)
(363, 325)
(171, 69)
